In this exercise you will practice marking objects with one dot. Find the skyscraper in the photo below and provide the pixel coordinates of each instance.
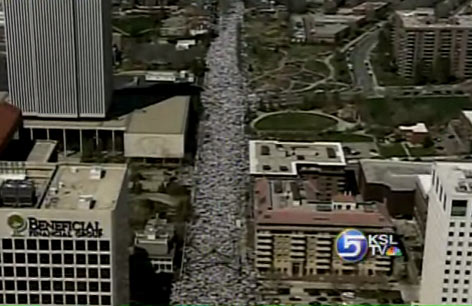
(447, 264)
(59, 57)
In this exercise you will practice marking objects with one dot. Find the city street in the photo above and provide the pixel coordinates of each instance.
(362, 78)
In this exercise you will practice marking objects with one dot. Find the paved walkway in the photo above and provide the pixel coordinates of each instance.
(341, 125)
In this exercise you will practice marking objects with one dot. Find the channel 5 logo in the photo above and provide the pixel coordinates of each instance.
(353, 245)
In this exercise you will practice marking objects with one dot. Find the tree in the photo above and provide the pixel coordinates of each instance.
(428, 142)
(421, 77)
(442, 70)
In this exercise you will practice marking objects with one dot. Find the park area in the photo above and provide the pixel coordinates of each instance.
(294, 121)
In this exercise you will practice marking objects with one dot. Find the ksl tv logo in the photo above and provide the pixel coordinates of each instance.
(352, 245)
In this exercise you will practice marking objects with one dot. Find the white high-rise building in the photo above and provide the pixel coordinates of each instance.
(447, 263)
(59, 57)
(63, 235)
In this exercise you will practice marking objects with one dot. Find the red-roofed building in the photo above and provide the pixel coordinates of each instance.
(295, 232)
(10, 121)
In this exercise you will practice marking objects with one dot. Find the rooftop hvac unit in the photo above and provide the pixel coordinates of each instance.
(18, 193)
(85, 202)
(96, 173)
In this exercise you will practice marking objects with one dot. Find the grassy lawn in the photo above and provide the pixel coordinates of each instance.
(392, 150)
(317, 66)
(341, 70)
(420, 151)
(297, 51)
(294, 121)
(134, 25)
(409, 110)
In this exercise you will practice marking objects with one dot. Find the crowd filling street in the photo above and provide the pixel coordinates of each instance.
(216, 267)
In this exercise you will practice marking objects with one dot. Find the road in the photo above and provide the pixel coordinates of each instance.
(358, 56)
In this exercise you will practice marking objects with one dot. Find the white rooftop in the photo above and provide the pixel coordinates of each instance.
(420, 127)
(455, 178)
(468, 115)
(424, 182)
(73, 186)
(281, 158)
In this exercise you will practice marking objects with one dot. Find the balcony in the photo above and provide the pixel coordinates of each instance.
(262, 234)
(263, 265)
(263, 259)
(323, 255)
(263, 253)
(322, 248)
(297, 248)
(266, 241)
(324, 241)
(297, 253)
(264, 247)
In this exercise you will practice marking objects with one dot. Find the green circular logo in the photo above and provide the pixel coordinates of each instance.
(16, 222)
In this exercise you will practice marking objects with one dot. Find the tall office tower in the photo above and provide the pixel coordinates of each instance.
(423, 40)
(447, 260)
(63, 235)
(59, 57)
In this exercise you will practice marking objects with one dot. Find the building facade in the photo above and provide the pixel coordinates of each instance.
(59, 57)
(447, 261)
(295, 234)
(63, 237)
(421, 40)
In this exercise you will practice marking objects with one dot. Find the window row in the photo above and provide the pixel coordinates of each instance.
(57, 299)
(32, 285)
(56, 272)
(47, 258)
(459, 243)
(455, 281)
(455, 290)
(55, 244)
(459, 253)
(459, 234)
(457, 272)
(453, 300)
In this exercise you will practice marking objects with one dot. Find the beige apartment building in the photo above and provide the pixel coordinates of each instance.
(419, 35)
(295, 232)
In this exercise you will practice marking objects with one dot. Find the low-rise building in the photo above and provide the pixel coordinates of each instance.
(391, 182)
(322, 163)
(10, 122)
(157, 239)
(371, 9)
(414, 134)
(295, 232)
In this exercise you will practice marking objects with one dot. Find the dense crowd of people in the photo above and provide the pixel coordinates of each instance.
(217, 269)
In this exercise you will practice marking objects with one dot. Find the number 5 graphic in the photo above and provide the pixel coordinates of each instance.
(351, 240)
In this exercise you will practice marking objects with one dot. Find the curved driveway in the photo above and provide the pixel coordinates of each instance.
(359, 54)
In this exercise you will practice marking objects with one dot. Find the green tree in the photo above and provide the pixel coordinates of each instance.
(421, 76)
(442, 70)
(428, 142)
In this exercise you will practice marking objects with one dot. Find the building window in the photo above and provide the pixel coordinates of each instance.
(56, 245)
(106, 300)
(93, 300)
(19, 244)
(104, 245)
(451, 234)
(446, 271)
(43, 245)
(458, 208)
(461, 234)
(462, 224)
(92, 245)
(68, 245)
(459, 253)
(45, 285)
(460, 243)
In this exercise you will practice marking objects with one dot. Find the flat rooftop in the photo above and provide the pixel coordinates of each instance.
(166, 117)
(71, 182)
(455, 178)
(424, 183)
(281, 158)
(424, 19)
(282, 203)
(42, 151)
(468, 114)
(336, 18)
(327, 30)
(397, 175)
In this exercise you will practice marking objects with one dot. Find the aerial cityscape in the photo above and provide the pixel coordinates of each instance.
(235, 152)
